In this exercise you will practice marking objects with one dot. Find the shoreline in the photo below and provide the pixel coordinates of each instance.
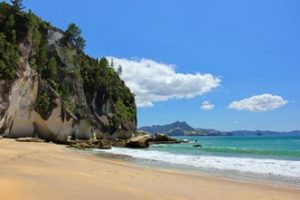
(226, 175)
(47, 171)
(255, 169)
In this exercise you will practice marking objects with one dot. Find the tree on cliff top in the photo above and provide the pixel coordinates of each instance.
(17, 4)
(73, 33)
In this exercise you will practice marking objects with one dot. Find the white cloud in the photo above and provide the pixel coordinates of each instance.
(206, 105)
(152, 81)
(259, 103)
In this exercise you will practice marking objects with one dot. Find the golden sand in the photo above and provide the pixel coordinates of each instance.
(49, 171)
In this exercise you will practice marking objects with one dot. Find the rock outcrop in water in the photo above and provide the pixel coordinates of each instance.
(51, 90)
(140, 140)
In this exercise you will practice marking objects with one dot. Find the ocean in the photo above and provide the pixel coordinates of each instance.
(265, 158)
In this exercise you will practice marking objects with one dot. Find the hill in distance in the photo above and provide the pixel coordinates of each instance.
(180, 129)
(183, 129)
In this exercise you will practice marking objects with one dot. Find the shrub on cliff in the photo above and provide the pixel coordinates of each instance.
(42, 105)
(9, 58)
(73, 33)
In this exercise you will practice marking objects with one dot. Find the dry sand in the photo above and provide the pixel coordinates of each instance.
(50, 171)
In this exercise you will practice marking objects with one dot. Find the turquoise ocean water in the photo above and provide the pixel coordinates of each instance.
(274, 158)
(280, 147)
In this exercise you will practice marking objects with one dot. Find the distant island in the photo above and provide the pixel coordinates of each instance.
(183, 129)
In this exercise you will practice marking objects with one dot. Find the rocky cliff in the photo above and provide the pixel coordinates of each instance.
(50, 89)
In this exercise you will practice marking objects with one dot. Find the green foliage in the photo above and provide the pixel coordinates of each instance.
(17, 4)
(9, 58)
(43, 105)
(115, 123)
(80, 43)
(66, 94)
(69, 104)
(15, 26)
(50, 69)
(68, 54)
(65, 91)
(123, 112)
(34, 22)
(100, 75)
(9, 54)
(42, 58)
(53, 84)
(73, 33)
(64, 76)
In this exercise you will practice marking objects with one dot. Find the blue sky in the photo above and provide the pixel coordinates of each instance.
(252, 47)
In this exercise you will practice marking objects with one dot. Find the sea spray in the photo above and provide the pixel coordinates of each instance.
(253, 165)
(272, 158)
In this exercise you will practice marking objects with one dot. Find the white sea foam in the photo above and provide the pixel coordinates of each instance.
(285, 168)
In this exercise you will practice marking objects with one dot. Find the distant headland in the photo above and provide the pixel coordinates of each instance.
(183, 129)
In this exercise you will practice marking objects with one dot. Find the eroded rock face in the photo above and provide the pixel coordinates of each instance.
(17, 98)
(19, 118)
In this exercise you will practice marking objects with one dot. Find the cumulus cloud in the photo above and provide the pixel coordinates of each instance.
(152, 81)
(206, 105)
(259, 103)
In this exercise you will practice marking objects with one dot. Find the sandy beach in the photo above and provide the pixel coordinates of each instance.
(51, 171)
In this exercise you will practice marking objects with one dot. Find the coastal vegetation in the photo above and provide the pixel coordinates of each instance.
(63, 68)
